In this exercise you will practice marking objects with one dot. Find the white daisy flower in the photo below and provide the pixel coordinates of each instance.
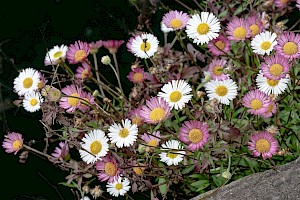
(32, 101)
(94, 145)
(176, 93)
(171, 157)
(203, 28)
(56, 55)
(123, 135)
(224, 91)
(270, 86)
(118, 187)
(144, 45)
(264, 43)
(27, 81)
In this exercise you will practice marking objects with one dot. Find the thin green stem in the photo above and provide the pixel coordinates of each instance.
(97, 74)
(118, 78)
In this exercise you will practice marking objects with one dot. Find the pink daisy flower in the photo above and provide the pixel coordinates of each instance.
(13, 142)
(153, 139)
(288, 45)
(70, 103)
(263, 144)
(137, 75)
(78, 52)
(281, 4)
(238, 29)
(95, 46)
(155, 110)
(275, 67)
(83, 72)
(113, 45)
(129, 44)
(135, 116)
(298, 4)
(87, 96)
(216, 69)
(175, 19)
(62, 151)
(219, 45)
(255, 25)
(194, 133)
(257, 101)
(272, 109)
(109, 170)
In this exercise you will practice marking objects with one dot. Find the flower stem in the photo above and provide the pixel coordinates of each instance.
(97, 74)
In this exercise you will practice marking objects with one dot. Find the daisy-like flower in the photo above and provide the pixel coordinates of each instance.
(272, 109)
(224, 91)
(298, 4)
(263, 43)
(95, 46)
(144, 45)
(155, 110)
(27, 81)
(194, 133)
(86, 101)
(152, 140)
(94, 146)
(288, 45)
(164, 28)
(255, 25)
(109, 169)
(70, 103)
(270, 86)
(274, 130)
(113, 45)
(176, 93)
(12, 142)
(203, 28)
(175, 19)
(238, 30)
(137, 75)
(61, 152)
(257, 101)
(42, 82)
(275, 67)
(124, 135)
(78, 52)
(216, 69)
(263, 144)
(56, 55)
(173, 156)
(281, 4)
(32, 101)
(219, 45)
(135, 116)
(118, 187)
(84, 71)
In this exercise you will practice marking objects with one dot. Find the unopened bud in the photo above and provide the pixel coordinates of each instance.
(105, 60)
(226, 174)
(96, 93)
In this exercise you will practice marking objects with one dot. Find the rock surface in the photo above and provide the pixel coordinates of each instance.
(280, 184)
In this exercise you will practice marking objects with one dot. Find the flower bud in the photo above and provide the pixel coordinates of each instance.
(226, 174)
(105, 60)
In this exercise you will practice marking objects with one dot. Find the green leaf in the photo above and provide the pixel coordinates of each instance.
(71, 185)
(188, 169)
(199, 183)
(162, 188)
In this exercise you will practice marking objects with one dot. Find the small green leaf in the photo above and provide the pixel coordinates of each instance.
(188, 169)
(162, 188)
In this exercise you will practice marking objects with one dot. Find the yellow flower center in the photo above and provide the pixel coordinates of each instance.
(276, 69)
(33, 102)
(221, 90)
(220, 44)
(40, 84)
(80, 55)
(172, 155)
(124, 133)
(138, 77)
(270, 108)
(157, 114)
(95, 147)
(175, 96)
(73, 101)
(137, 120)
(272, 82)
(85, 74)
(119, 186)
(290, 48)
(203, 28)
(254, 29)
(176, 23)
(138, 170)
(152, 143)
(145, 46)
(262, 145)
(265, 45)
(27, 83)
(17, 144)
(218, 70)
(240, 33)
(57, 54)
(195, 135)
(256, 104)
(110, 169)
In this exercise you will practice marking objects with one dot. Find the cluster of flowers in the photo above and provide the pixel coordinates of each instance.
(111, 143)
